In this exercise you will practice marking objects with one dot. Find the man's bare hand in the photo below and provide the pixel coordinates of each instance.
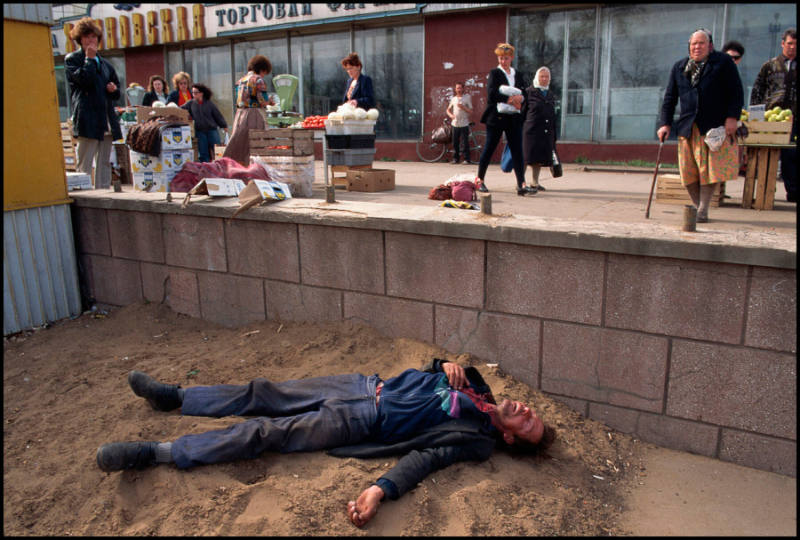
(365, 508)
(455, 375)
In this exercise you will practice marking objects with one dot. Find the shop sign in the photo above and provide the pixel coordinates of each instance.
(138, 25)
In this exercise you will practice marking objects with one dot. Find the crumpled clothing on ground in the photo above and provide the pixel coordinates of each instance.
(193, 171)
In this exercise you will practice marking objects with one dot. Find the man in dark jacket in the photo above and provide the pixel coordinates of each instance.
(94, 87)
(435, 417)
(710, 91)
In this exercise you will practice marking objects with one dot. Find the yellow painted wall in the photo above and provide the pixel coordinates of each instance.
(33, 160)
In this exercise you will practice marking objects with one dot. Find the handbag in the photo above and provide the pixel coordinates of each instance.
(442, 134)
(507, 162)
(556, 168)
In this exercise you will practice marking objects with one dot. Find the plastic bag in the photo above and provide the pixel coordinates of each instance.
(715, 137)
(442, 134)
(556, 170)
(227, 138)
(507, 162)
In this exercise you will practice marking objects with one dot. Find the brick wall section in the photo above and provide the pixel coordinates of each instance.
(692, 355)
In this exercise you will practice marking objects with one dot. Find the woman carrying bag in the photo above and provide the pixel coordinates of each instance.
(539, 127)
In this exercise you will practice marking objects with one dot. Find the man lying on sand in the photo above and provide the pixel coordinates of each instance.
(435, 417)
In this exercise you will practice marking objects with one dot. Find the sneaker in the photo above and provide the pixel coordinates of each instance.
(468, 162)
(160, 396)
(119, 456)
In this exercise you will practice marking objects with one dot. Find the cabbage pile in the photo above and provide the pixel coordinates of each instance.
(348, 112)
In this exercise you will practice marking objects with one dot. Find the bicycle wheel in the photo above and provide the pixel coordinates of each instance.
(477, 140)
(428, 150)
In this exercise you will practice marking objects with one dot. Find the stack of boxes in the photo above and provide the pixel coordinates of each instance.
(154, 173)
(351, 143)
(290, 154)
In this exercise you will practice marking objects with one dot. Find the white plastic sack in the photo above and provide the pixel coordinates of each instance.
(715, 137)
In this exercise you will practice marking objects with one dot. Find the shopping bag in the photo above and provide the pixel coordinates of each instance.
(506, 162)
(556, 168)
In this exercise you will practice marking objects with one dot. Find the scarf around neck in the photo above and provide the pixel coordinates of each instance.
(694, 70)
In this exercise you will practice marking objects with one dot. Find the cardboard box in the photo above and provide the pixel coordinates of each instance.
(370, 179)
(176, 138)
(78, 180)
(174, 159)
(218, 187)
(149, 181)
(258, 191)
(144, 114)
(145, 163)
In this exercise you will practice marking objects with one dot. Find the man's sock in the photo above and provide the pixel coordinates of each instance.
(164, 452)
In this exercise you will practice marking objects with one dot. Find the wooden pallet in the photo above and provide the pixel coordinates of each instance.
(68, 146)
(300, 142)
(767, 132)
(669, 190)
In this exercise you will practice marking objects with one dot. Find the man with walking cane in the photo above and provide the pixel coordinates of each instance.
(710, 91)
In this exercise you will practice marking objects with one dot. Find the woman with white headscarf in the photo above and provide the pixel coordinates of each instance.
(539, 127)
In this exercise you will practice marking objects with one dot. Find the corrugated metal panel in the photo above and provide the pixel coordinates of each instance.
(35, 13)
(40, 271)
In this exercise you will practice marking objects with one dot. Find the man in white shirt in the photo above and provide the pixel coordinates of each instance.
(459, 111)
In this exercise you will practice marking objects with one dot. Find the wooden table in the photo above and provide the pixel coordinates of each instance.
(762, 172)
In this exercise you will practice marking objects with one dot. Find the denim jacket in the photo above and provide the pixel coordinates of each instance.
(434, 448)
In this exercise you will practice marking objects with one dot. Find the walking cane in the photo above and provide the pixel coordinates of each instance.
(653, 184)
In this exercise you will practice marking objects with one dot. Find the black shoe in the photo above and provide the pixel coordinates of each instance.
(482, 188)
(540, 187)
(119, 456)
(522, 191)
(160, 396)
(468, 162)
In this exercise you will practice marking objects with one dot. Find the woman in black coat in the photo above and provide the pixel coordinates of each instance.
(539, 127)
(502, 115)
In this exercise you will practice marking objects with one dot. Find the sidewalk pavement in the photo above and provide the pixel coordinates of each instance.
(682, 493)
(596, 196)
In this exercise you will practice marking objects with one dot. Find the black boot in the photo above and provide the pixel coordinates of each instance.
(126, 455)
(162, 397)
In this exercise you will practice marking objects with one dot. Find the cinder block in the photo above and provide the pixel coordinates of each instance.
(136, 235)
(748, 389)
(263, 249)
(772, 310)
(342, 258)
(624, 420)
(195, 242)
(510, 341)
(551, 283)
(182, 292)
(760, 452)
(292, 302)
(693, 299)
(231, 300)
(627, 369)
(444, 270)
(154, 280)
(392, 317)
(678, 434)
(116, 282)
(90, 227)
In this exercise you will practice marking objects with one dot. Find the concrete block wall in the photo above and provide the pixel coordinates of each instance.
(689, 354)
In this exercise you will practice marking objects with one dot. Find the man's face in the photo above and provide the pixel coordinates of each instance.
(89, 40)
(520, 421)
(789, 45)
(699, 47)
(459, 90)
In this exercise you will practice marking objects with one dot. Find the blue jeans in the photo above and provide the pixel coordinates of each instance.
(293, 416)
(205, 144)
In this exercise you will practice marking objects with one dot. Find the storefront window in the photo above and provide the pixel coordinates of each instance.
(211, 66)
(392, 57)
(316, 62)
(759, 28)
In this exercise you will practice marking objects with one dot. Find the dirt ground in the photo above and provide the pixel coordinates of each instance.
(65, 393)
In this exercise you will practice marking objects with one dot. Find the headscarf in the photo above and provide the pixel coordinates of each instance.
(536, 84)
(694, 70)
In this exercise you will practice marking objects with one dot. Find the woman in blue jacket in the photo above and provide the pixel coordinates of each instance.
(358, 91)
(710, 91)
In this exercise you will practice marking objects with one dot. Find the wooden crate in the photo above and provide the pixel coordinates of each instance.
(669, 190)
(760, 178)
(263, 142)
(68, 145)
(767, 132)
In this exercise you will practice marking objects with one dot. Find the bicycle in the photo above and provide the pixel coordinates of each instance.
(430, 151)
